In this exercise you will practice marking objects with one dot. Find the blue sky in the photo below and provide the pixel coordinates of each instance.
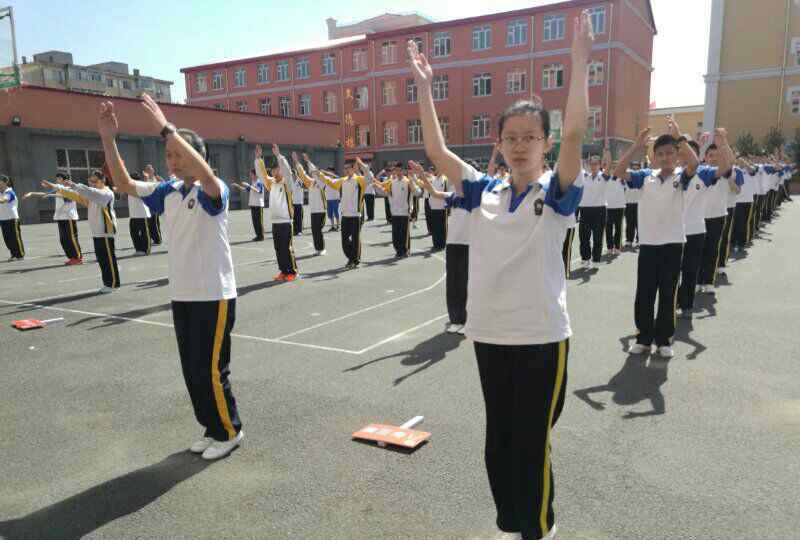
(161, 36)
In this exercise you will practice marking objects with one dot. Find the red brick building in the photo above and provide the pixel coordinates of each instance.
(481, 64)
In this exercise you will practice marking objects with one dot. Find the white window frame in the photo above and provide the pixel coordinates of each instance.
(241, 106)
(550, 76)
(263, 73)
(361, 98)
(482, 37)
(265, 105)
(595, 115)
(442, 44)
(441, 87)
(359, 59)
(198, 87)
(597, 73)
(516, 81)
(481, 127)
(217, 80)
(329, 102)
(598, 18)
(556, 124)
(414, 131)
(412, 91)
(482, 84)
(388, 93)
(517, 33)
(76, 171)
(554, 27)
(285, 106)
(390, 133)
(302, 69)
(388, 52)
(362, 136)
(329, 63)
(444, 124)
(240, 77)
(282, 70)
(304, 105)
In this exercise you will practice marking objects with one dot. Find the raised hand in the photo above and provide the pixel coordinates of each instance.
(420, 68)
(643, 138)
(294, 156)
(48, 185)
(259, 151)
(673, 127)
(275, 150)
(583, 38)
(721, 137)
(107, 124)
(154, 113)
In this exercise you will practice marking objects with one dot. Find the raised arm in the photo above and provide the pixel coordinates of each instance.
(66, 193)
(261, 169)
(625, 161)
(426, 183)
(436, 149)
(108, 127)
(569, 157)
(283, 164)
(193, 162)
(685, 151)
(492, 168)
(301, 174)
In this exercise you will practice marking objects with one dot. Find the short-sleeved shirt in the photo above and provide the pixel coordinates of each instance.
(8, 209)
(517, 286)
(196, 231)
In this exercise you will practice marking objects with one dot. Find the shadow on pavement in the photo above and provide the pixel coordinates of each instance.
(79, 515)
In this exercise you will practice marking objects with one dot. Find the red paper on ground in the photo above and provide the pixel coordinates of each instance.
(398, 436)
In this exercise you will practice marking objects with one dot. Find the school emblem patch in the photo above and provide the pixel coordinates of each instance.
(191, 204)
(538, 206)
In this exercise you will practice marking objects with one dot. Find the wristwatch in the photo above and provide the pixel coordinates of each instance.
(168, 128)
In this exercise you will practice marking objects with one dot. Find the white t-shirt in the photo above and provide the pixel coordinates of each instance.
(196, 231)
(748, 187)
(439, 184)
(65, 209)
(717, 200)
(517, 285)
(256, 194)
(99, 208)
(458, 223)
(594, 189)
(137, 209)
(8, 209)
(694, 213)
(615, 193)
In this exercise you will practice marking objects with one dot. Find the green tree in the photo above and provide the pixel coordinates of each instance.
(746, 144)
(773, 140)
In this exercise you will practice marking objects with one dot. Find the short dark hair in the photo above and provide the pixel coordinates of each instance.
(6, 179)
(522, 108)
(665, 140)
(136, 176)
(195, 140)
(712, 146)
(695, 146)
(62, 175)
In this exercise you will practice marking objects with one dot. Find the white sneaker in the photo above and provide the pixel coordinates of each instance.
(638, 348)
(220, 449)
(462, 329)
(701, 289)
(666, 351)
(200, 446)
(552, 534)
(322, 252)
(589, 264)
(105, 290)
(453, 328)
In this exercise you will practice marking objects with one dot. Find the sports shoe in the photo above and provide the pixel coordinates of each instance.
(685, 314)
(200, 446)
(220, 449)
(552, 534)
(638, 348)
(452, 328)
(332, 229)
(280, 277)
(73, 262)
(291, 277)
(322, 252)
(258, 239)
(105, 290)
(349, 266)
(462, 329)
(665, 351)
(701, 289)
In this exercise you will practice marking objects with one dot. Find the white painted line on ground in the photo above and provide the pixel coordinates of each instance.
(366, 309)
(400, 334)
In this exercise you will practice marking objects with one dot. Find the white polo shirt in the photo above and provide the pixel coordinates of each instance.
(352, 191)
(748, 186)
(400, 191)
(317, 202)
(594, 189)
(297, 191)
(65, 209)
(256, 194)
(8, 209)
(137, 209)
(99, 208)
(632, 196)
(517, 292)
(717, 201)
(458, 223)
(615, 193)
(694, 213)
(280, 198)
(439, 184)
(661, 206)
(196, 231)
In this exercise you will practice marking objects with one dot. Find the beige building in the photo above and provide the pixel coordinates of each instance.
(753, 80)
(56, 69)
(690, 119)
(381, 23)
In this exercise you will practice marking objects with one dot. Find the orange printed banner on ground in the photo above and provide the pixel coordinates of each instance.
(395, 435)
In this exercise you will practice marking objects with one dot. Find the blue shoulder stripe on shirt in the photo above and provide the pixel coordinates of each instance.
(155, 201)
(213, 206)
(564, 203)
